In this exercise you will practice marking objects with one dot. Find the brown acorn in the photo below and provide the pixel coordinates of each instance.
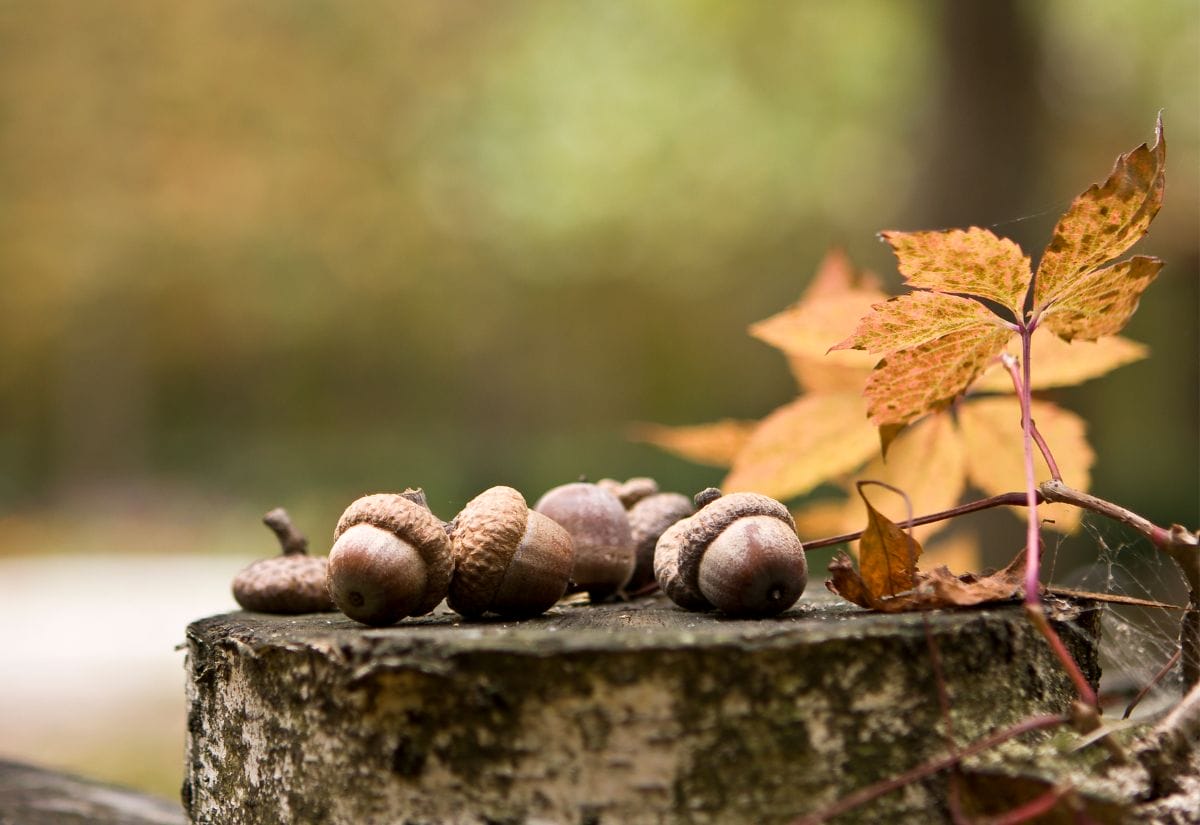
(738, 554)
(390, 559)
(508, 559)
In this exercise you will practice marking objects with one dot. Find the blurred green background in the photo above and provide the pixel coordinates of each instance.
(285, 253)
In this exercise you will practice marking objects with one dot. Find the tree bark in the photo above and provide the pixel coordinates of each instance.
(628, 713)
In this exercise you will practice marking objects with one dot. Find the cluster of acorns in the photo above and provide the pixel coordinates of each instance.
(392, 557)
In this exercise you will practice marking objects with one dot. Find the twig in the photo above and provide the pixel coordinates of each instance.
(1181, 545)
(1004, 500)
(864, 795)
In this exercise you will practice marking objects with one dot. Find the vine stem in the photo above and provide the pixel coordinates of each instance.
(1086, 716)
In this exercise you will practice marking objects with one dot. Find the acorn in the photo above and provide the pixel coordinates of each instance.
(650, 513)
(604, 551)
(508, 559)
(738, 554)
(390, 559)
(293, 582)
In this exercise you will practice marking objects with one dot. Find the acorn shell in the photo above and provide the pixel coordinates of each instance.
(508, 559)
(415, 525)
(599, 528)
(679, 551)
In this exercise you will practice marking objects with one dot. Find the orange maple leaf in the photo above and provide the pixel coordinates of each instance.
(940, 342)
(823, 436)
(937, 341)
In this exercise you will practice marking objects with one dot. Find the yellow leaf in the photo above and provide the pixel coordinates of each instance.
(1057, 363)
(928, 462)
(837, 372)
(1101, 302)
(813, 326)
(972, 261)
(716, 444)
(836, 274)
(820, 519)
(802, 444)
(991, 428)
(829, 308)
(1103, 222)
(887, 555)
(959, 552)
(912, 382)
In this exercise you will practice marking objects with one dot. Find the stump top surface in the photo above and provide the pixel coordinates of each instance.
(645, 624)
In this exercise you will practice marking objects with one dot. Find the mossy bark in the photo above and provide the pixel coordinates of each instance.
(631, 713)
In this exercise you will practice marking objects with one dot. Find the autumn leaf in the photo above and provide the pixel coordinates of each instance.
(802, 444)
(887, 555)
(1101, 302)
(917, 318)
(910, 383)
(832, 303)
(936, 344)
(971, 261)
(995, 461)
(1059, 363)
(718, 443)
(1103, 223)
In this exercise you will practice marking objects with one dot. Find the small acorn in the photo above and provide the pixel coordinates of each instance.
(738, 554)
(650, 513)
(508, 559)
(604, 552)
(390, 559)
(293, 582)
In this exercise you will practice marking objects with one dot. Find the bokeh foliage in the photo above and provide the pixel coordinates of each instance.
(289, 252)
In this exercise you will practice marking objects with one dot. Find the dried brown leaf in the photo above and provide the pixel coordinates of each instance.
(887, 554)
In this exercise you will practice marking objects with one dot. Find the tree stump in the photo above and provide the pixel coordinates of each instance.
(601, 715)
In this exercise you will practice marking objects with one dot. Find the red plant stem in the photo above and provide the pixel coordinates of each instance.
(1045, 450)
(1003, 500)
(1033, 541)
(864, 795)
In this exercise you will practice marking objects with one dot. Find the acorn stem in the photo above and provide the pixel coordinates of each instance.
(291, 540)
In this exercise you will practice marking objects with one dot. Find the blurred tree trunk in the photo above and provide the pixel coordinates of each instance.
(982, 149)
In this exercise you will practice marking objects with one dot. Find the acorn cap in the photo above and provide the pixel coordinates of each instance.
(293, 582)
(413, 524)
(284, 584)
(679, 550)
(483, 539)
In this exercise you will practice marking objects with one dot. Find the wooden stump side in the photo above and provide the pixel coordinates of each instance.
(597, 715)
